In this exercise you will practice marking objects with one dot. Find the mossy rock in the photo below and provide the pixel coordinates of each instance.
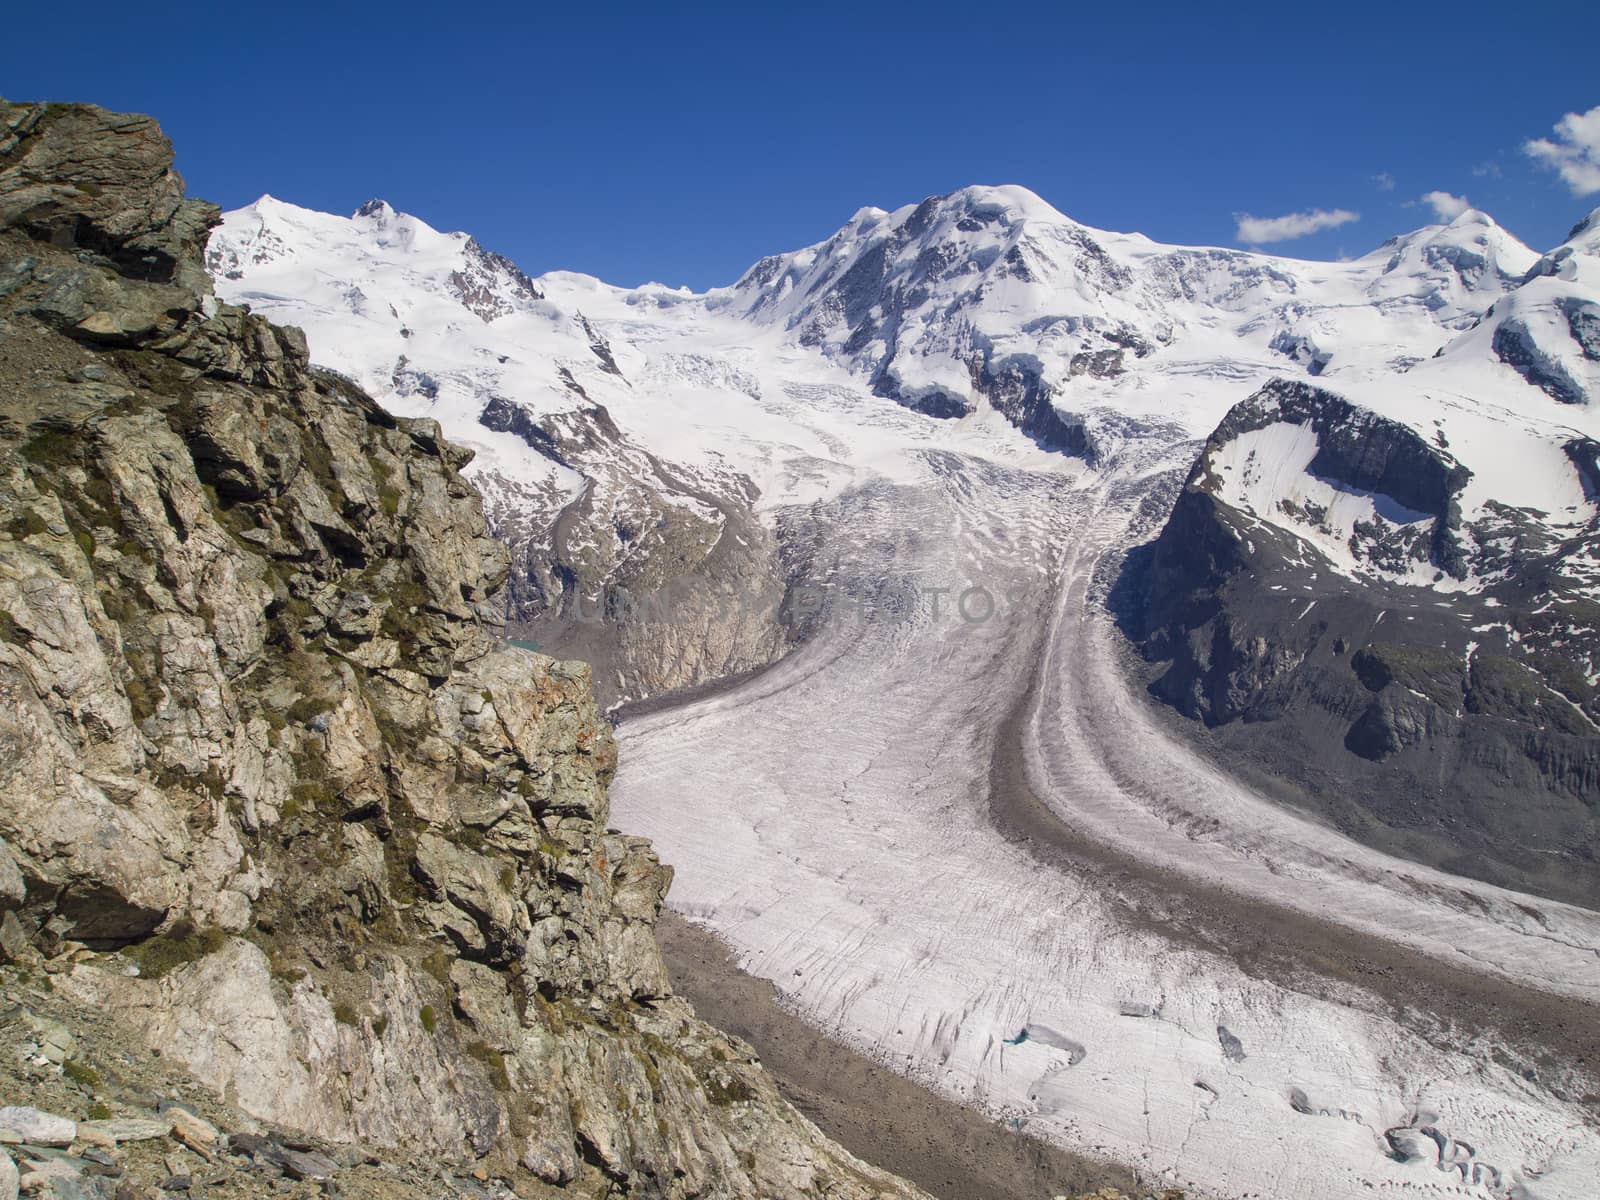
(1504, 688)
(494, 1061)
(724, 1089)
(1428, 670)
(54, 449)
(161, 953)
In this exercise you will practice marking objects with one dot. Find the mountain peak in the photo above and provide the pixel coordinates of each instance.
(1470, 217)
(376, 209)
(1472, 247)
(1589, 225)
(1009, 203)
(865, 214)
(268, 203)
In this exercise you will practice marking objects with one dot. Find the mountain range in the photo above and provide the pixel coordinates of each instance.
(1379, 569)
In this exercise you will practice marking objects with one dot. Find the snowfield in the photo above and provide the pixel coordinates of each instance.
(848, 819)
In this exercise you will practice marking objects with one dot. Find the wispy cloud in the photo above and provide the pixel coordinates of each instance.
(1384, 180)
(1256, 230)
(1488, 170)
(1575, 152)
(1445, 206)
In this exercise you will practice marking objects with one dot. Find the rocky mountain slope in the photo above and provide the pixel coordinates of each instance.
(1387, 595)
(275, 798)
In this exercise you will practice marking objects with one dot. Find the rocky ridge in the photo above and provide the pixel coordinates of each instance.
(276, 800)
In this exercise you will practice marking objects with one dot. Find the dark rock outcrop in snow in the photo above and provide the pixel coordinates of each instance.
(1515, 345)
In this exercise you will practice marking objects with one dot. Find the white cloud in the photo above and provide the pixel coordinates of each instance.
(1575, 153)
(1487, 170)
(1256, 230)
(1384, 180)
(1445, 206)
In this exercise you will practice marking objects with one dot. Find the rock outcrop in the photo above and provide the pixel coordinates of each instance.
(275, 796)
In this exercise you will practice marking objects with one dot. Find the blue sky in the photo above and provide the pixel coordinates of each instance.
(680, 143)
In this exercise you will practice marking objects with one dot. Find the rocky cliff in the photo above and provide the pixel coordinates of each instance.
(277, 803)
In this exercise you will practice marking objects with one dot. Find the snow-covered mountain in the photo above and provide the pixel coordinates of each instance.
(987, 298)
(1548, 328)
(441, 328)
(1367, 496)
(989, 293)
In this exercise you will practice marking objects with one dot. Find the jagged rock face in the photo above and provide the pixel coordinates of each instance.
(1457, 726)
(77, 179)
(345, 854)
(490, 284)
